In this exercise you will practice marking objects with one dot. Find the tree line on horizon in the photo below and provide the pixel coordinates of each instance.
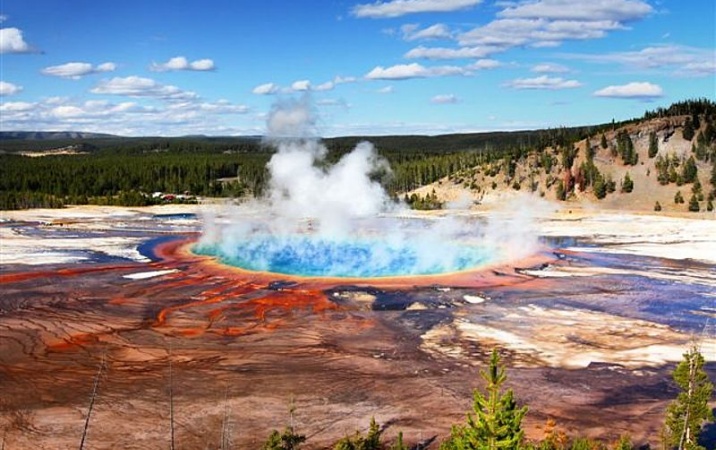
(126, 171)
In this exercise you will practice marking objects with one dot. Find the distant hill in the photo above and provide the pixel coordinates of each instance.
(50, 135)
(665, 160)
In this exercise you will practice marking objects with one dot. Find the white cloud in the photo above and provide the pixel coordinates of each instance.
(327, 86)
(11, 41)
(412, 32)
(483, 64)
(414, 70)
(550, 68)
(14, 107)
(640, 90)
(181, 63)
(503, 34)
(7, 88)
(698, 68)
(301, 85)
(396, 8)
(533, 24)
(132, 118)
(386, 90)
(76, 70)
(450, 53)
(134, 86)
(444, 99)
(611, 10)
(543, 82)
(344, 80)
(681, 60)
(3, 18)
(265, 89)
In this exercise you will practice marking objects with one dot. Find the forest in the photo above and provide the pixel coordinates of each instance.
(112, 170)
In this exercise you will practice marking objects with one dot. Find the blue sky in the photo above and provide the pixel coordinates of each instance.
(141, 67)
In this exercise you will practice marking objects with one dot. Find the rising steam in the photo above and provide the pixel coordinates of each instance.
(339, 221)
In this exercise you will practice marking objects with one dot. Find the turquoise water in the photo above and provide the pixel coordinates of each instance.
(357, 258)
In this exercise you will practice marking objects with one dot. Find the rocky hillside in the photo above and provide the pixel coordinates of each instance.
(643, 166)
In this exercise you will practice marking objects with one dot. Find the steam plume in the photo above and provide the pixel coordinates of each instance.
(339, 221)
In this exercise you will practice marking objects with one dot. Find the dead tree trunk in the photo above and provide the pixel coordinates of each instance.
(91, 404)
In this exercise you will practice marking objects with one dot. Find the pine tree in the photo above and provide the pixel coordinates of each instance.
(288, 440)
(694, 204)
(627, 184)
(686, 414)
(657, 206)
(497, 421)
(600, 187)
(653, 144)
(604, 142)
(689, 170)
(688, 131)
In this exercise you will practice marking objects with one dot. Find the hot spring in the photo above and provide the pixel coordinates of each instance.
(356, 257)
(337, 220)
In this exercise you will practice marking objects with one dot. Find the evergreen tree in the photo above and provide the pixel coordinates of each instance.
(288, 440)
(600, 187)
(604, 142)
(627, 184)
(694, 204)
(497, 421)
(653, 144)
(657, 206)
(624, 443)
(689, 170)
(690, 410)
(678, 198)
(695, 122)
(688, 131)
(369, 442)
(399, 445)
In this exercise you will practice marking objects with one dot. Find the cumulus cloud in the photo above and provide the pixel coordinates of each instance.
(11, 41)
(534, 24)
(543, 82)
(396, 8)
(611, 10)
(681, 60)
(301, 85)
(181, 63)
(344, 80)
(698, 69)
(549, 68)
(76, 70)
(484, 64)
(503, 34)
(327, 86)
(17, 107)
(638, 90)
(265, 89)
(450, 53)
(412, 32)
(128, 118)
(443, 99)
(134, 86)
(414, 70)
(7, 88)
